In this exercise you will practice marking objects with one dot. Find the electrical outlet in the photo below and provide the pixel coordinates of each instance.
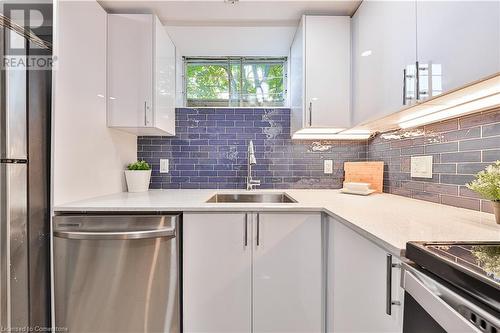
(164, 165)
(328, 167)
(421, 167)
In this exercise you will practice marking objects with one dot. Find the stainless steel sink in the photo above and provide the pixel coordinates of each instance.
(252, 198)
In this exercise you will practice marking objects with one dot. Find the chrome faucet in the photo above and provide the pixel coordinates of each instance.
(251, 183)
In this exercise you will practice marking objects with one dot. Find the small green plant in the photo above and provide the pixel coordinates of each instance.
(139, 165)
(487, 182)
(489, 259)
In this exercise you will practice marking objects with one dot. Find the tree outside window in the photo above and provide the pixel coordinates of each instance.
(235, 81)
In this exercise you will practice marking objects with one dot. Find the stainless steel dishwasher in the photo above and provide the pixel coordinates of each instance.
(116, 273)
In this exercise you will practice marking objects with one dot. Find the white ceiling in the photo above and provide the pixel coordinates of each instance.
(220, 13)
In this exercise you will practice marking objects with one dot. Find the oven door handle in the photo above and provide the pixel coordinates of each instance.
(445, 315)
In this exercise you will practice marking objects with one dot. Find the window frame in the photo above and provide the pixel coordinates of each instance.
(230, 60)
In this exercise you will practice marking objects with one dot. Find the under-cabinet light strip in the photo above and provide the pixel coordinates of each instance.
(454, 111)
(326, 136)
(430, 109)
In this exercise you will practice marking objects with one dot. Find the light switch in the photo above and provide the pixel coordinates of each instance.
(163, 165)
(421, 166)
(328, 167)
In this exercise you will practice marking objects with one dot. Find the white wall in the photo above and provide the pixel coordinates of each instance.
(227, 41)
(232, 40)
(88, 157)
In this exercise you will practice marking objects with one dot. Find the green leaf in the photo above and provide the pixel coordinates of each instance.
(139, 165)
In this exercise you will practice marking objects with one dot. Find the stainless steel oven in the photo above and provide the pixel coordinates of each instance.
(448, 288)
(432, 306)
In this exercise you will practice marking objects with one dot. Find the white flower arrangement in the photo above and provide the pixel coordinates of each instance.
(487, 182)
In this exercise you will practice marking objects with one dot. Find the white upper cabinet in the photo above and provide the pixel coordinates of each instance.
(164, 78)
(458, 42)
(141, 75)
(320, 73)
(454, 43)
(297, 83)
(384, 47)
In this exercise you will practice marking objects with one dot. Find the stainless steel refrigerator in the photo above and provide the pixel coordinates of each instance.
(25, 104)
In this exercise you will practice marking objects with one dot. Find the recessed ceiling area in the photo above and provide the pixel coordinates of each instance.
(219, 28)
(221, 13)
(232, 41)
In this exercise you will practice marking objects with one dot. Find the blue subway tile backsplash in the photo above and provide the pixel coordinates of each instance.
(210, 152)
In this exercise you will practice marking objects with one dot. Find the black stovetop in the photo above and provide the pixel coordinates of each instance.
(473, 267)
(481, 259)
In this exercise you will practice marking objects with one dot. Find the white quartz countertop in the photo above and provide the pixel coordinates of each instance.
(388, 220)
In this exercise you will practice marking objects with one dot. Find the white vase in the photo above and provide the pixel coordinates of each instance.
(138, 180)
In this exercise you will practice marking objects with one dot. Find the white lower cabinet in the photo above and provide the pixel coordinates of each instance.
(357, 284)
(252, 272)
(265, 272)
(217, 273)
(287, 274)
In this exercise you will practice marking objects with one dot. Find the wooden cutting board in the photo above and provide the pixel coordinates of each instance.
(365, 172)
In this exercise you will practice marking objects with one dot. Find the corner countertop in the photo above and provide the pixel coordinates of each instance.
(388, 220)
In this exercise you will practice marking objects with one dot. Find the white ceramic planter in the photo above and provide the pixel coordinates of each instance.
(138, 180)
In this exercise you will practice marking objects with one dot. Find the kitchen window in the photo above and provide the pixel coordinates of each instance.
(235, 82)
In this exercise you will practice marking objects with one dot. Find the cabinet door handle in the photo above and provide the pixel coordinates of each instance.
(145, 113)
(245, 234)
(404, 86)
(388, 296)
(310, 113)
(258, 229)
(417, 84)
